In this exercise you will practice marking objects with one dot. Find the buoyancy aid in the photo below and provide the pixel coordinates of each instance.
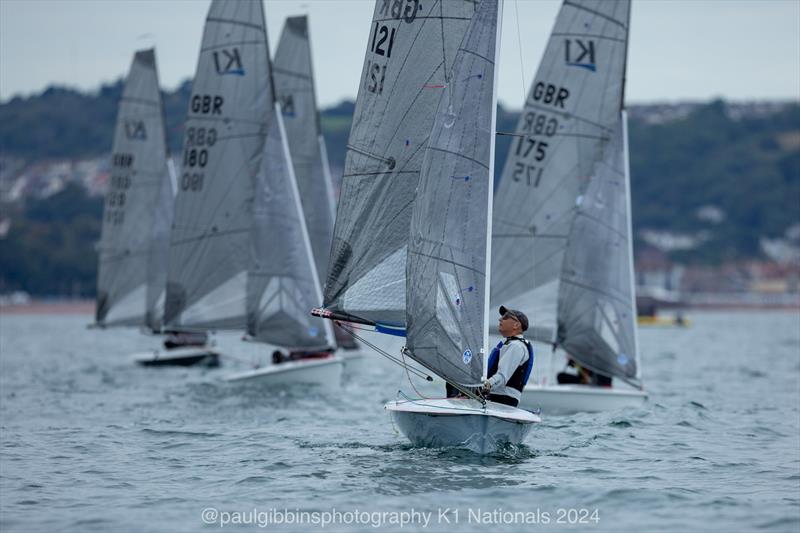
(520, 376)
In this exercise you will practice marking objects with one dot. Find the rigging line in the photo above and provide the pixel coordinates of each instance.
(349, 329)
(466, 392)
(408, 376)
(519, 42)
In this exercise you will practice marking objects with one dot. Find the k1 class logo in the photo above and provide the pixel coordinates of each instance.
(580, 54)
(228, 62)
(134, 130)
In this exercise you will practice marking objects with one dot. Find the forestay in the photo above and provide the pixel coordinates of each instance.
(597, 300)
(568, 120)
(449, 227)
(411, 48)
(229, 114)
(294, 85)
(282, 285)
(130, 249)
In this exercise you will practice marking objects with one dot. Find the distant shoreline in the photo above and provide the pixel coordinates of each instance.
(50, 307)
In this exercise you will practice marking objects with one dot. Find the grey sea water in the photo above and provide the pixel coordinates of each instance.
(90, 442)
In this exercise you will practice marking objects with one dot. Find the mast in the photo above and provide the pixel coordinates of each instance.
(627, 167)
(303, 229)
(490, 200)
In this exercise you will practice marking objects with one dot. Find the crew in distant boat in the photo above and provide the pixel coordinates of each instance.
(279, 357)
(180, 339)
(583, 376)
(510, 362)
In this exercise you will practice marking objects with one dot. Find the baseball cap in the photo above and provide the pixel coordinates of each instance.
(519, 315)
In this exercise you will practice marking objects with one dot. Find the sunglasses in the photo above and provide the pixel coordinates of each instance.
(509, 317)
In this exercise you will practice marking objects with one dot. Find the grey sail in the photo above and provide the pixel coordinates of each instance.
(410, 53)
(282, 284)
(294, 86)
(568, 120)
(163, 210)
(446, 289)
(596, 309)
(229, 112)
(138, 173)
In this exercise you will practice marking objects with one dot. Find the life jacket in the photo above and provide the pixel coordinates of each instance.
(520, 376)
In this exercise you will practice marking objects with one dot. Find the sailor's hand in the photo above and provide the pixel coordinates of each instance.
(487, 385)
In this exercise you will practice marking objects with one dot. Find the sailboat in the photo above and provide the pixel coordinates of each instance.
(562, 236)
(240, 256)
(137, 216)
(294, 85)
(411, 242)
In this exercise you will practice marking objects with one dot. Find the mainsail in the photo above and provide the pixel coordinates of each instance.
(282, 284)
(230, 110)
(446, 289)
(408, 64)
(294, 85)
(131, 248)
(596, 303)
(240, 253)
(561, 236)
(568, 120)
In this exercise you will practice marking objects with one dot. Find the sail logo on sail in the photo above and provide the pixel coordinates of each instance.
(586, 51)
(396, 9)
(228, 62)
(135, 131)
(287, 105)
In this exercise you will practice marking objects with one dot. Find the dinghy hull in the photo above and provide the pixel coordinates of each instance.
(568, 399)
(320, 372)
(461, 423)
(199, 356)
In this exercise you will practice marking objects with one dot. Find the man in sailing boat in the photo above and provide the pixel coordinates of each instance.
(511, 361)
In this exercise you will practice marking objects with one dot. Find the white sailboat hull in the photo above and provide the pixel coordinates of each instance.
(321, 372)
(462, 423)
(189, 356)
(352, 358)
(567, 399)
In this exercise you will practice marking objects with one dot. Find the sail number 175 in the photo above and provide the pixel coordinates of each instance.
(529, 174)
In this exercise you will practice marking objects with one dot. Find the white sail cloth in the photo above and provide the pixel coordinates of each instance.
(408, 63)
(239, 255)
(446, 289)
(546, 260)
(138, 206)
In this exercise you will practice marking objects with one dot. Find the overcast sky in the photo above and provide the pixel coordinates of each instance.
(679, 49)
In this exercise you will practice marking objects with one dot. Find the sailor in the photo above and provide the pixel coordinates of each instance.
(584, 376)
(511, 361)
